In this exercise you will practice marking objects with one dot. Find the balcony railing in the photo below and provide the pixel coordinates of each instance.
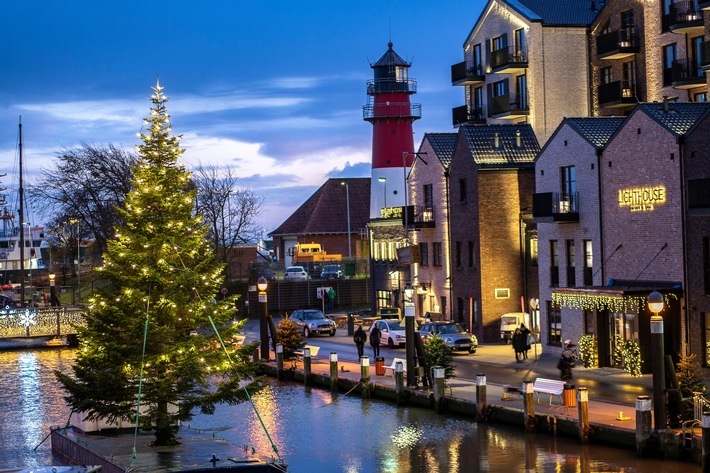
(508, 61)
(685, 17)
(686, 74)
(617, 94)
(461, 115)
(419, 216)
(704, 4)
(509, 106)
(375, 86)
(556, 207)
(463, 74)
(617, 44)
(392, 110)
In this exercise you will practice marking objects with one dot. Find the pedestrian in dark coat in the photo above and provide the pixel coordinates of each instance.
(566, 362)
(360, 337)
(526, 333)
(519, 345)
(375, 336)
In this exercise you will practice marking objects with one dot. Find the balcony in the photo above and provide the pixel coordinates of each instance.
(461, 116)
(685, 18)
(462, 74)
(386, 86)
(687, 74)
(508, 61)
(617, 94)
(374, 111)
(704, 4)
(618, 44)
(555, 207)
(419, 216)
(705, 56)
(509, 107)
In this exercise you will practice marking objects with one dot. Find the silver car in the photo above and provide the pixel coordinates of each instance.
(313, 321)
(456, 338)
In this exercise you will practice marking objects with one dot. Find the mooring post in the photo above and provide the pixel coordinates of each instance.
(529, 405)
(706, 441)
(333, 371)
(365, 368)
(583, 410)
(279, 361)
(439, 387)
(480, 396)
(643, 424)
(399, 381)
(306, 366)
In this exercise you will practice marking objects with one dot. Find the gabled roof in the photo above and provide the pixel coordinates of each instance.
(558, 12)
(676, 117)
(443, 145)
(481, 143)
(596, 130)
(390, 58)
(326, 210)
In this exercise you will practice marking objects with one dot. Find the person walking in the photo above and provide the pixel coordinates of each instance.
(518, 345)
(375, 336)
(528, 339)
(566, 362)
(360, 337)
(331, 298)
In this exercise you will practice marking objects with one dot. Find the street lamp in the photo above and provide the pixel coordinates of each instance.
(53, 299)
(347, 203)
(409, 335)
(383, 180)
(261, 284)
(655, 305)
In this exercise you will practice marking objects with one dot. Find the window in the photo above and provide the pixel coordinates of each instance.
(533, 252)
(706, 265)
(669, 55)
(459, 263)
(477, 60)
(502, 293)
(554, 324)
(500, 88)
(520, 47)
(627, 20)
(698, 194)
(477, 112)
(588, 263)
(701, 97)
(501, 42)
(568, 187)
(696, 57)
(428, 197)
(424, 254)
(554, 264)
(470, 254)
(571, 280)
(463, 193)
(629, 79)
(436, 253)
(605, 76)
(521, 89)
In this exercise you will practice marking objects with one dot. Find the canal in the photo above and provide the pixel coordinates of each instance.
(315, 431)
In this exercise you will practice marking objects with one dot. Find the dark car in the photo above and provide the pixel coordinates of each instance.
(456, 338)
(313, 321)
(332, 271)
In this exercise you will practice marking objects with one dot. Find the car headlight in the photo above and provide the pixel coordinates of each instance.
(474, 340)
(400, 337)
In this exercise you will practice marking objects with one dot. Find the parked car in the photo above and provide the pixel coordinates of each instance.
(295, 273)
(392, 332)
(268, 274)
(312, 321)
(456, 338)
(332, 271)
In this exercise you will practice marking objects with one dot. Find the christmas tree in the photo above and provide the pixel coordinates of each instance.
(138, 345)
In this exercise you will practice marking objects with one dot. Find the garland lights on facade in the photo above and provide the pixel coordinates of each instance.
(614, 304)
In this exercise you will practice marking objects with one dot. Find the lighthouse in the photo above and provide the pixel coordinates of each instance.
(391, 114)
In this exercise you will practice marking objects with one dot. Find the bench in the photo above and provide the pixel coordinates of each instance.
(314, 351)
(393, 366)
(551, 387)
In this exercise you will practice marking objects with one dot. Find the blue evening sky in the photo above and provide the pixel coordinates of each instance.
(273, 89)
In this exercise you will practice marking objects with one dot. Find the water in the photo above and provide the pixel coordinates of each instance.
(314, 431)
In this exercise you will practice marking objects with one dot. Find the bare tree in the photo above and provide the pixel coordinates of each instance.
(85, 185)
(230, 211)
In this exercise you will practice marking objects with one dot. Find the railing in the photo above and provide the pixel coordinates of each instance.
(624, 39)
(508, 103)
(462, 72)
(508, 56)
(683, 70)
(700, 404)
(461, 115)
(35, 321)
(617, 91)
(684, 12)
(390, 109)
(391, 85)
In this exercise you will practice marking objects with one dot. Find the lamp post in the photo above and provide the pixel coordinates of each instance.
(347, 203)
(262, 285)
(53, 300)
(655, 305)
(409, 335)
(383, 180)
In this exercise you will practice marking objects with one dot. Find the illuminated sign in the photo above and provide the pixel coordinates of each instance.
(391, 212)
(642, 199)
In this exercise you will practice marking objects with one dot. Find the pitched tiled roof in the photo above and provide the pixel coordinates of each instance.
(481, 142)
(326, 210)
(596, 130)
(443, 145)
(678, 118)
(557, 12)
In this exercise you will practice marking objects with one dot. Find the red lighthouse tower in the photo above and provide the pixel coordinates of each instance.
(391, 114)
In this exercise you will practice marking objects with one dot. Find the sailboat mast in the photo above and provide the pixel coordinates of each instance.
(22, 227)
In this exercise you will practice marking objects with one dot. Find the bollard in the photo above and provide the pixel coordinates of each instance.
(480, 396)
(706, 441)
(529, 405)
(583, 410)
(643, 424)
(333, 371)
(279, 361)
(365, 368)
(306, 366)
(399, 381)
(439, 387)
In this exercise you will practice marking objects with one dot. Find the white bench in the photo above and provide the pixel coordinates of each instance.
(314, 351)
(551, 387)
(393, 367)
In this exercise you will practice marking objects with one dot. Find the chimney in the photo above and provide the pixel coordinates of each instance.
(496, 140)
(518, 142)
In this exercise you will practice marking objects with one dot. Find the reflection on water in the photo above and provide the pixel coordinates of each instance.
(314, 431)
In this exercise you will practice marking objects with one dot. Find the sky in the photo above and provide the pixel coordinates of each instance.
(273, 89)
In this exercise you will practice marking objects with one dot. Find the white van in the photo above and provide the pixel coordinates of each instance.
(509, 322)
